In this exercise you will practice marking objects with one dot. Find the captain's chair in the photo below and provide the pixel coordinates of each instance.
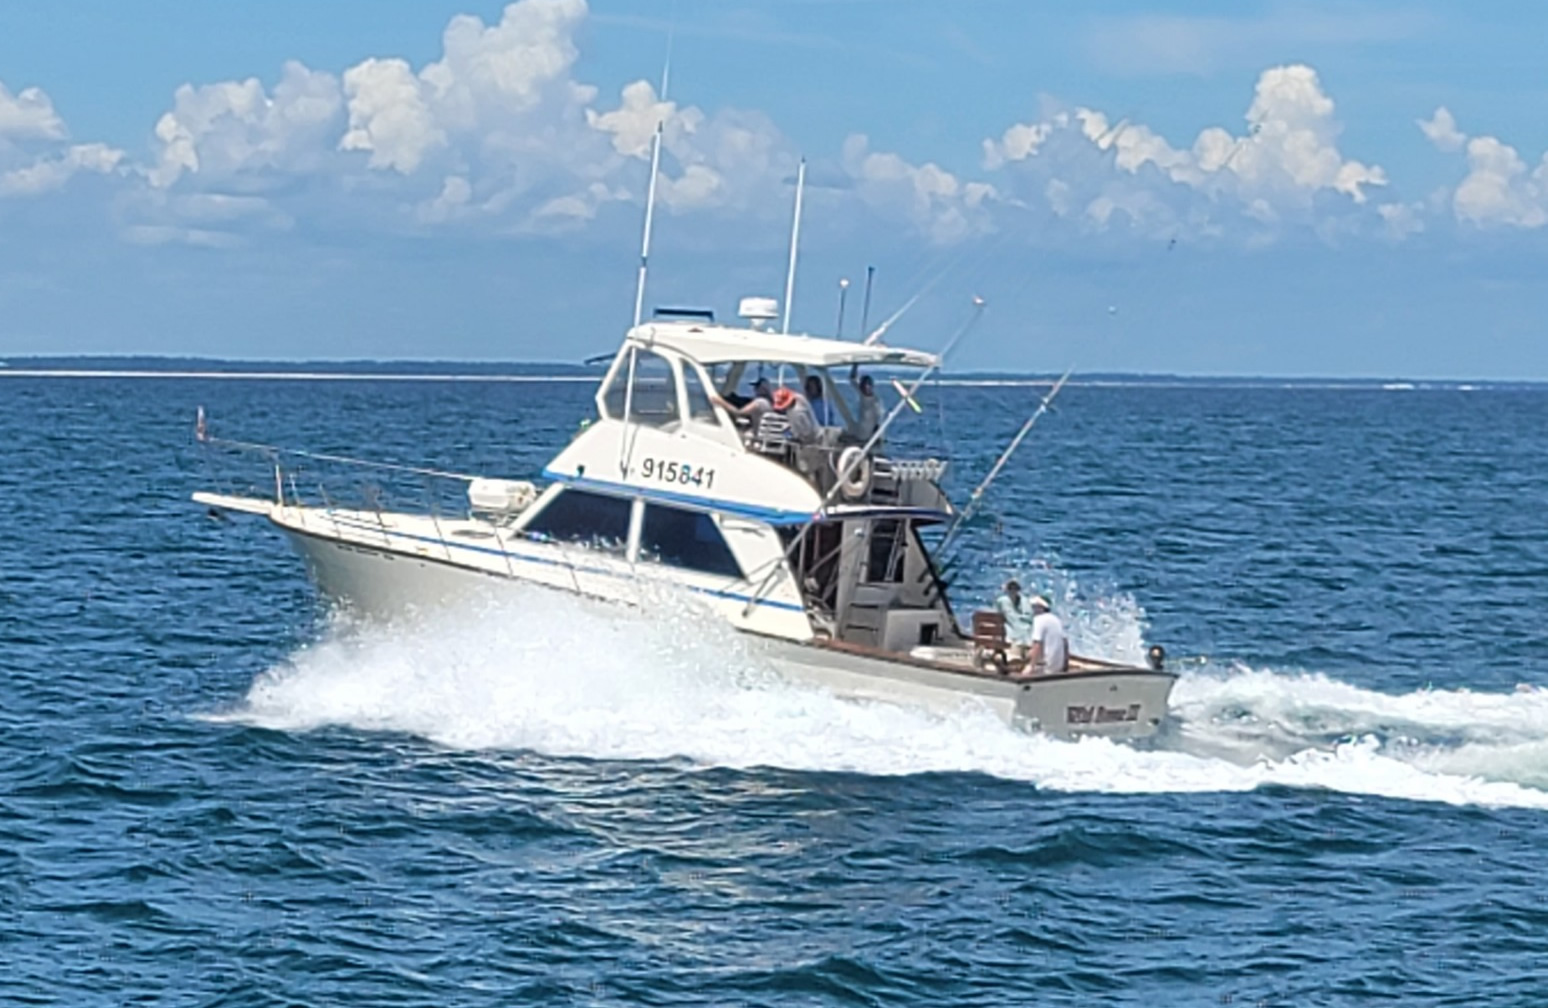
(772, 435)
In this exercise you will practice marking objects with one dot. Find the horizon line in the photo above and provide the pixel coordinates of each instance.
(984, 379)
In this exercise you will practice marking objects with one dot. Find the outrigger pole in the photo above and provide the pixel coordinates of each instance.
(978, 492)
(795, 244)
(650, 193)
(627, 449)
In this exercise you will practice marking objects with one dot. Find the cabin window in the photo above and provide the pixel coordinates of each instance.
(588, 519)
(687, 539)
(655, 391)
(699, 406)
(654, 400)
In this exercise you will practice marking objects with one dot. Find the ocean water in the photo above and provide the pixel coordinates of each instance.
(212, 792)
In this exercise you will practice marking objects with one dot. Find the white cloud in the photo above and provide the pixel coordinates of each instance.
(452, 201)
(478, 98)
(35, 156)
(1441, 129)
(930, 198)
(217, 131)
(1019, 142)
(1279, 168)
(28, 115)
(1499, 189)
(632, 125)
(49, 173)
(1402, 219)
(389, 116)
(497, 134)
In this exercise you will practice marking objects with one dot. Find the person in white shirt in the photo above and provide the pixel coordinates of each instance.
(1050, 651)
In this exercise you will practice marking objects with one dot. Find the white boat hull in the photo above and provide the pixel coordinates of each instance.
(1118, 702)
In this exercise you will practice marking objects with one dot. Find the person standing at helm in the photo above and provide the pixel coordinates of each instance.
(868, 414)
(1050, 651)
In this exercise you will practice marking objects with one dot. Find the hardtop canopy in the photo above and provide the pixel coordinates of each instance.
(711, 344)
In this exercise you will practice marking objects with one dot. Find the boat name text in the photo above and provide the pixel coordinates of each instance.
(1097, 714)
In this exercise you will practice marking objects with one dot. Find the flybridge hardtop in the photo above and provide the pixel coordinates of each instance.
(711, 344)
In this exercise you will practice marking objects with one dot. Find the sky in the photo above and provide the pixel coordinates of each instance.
(1215, 188)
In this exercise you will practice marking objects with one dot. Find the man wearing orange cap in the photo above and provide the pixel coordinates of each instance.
(803, 424)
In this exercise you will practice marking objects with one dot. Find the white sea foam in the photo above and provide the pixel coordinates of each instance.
(544, 672)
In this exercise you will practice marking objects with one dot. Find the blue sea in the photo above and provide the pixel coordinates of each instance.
(215, 792)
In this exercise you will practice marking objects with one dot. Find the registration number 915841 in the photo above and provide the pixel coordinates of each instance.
(681, 473)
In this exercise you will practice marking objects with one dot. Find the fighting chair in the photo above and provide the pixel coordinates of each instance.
(990, 648)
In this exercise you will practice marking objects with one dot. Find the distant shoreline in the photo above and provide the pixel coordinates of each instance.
(216, 369)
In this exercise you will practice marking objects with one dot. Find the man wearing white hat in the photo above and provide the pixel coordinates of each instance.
(1050, 652)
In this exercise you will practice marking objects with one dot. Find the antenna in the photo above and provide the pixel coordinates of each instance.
(843, 296)
(650, 195)
(865, 305)
(795, 244)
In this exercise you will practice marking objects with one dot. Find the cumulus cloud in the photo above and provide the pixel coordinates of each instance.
(1402, 219)
(51, 172)
(35, 156)
(497, 134)
(388, 116)
(1283, 164)
(216, 131)
(930, 198)
(480, 96)
(1441, 129)
(1499, 189)
(28, 115)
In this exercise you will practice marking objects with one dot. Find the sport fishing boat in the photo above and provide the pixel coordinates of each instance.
(813, 547)
(805, 536)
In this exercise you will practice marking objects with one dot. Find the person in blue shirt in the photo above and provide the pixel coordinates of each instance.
(1018, 614)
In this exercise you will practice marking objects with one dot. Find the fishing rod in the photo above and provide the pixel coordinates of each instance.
(976, 497)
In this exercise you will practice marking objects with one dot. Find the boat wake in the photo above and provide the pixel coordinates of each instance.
(535, 670)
